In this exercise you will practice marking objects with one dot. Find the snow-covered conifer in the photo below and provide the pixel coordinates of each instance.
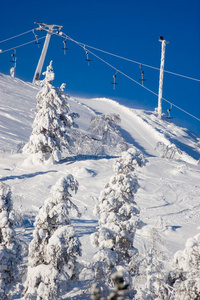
(185, 277)
(9, 247)
(119, 216)
(54, 248)
(128, 161)
(50, 135)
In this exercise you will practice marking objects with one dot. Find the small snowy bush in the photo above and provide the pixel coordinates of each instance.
(50, 135)
(54, 248)
(103, 137)
(9, 246)
(168, 151)
(185, 278)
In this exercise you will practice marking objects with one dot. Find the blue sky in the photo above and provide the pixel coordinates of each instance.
(128, 28)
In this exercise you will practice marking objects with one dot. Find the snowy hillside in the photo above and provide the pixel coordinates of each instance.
(169, 191)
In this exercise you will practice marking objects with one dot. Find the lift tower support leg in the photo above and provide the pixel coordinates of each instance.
(50, 29)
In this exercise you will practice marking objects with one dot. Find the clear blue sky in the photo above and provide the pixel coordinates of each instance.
(128, 28)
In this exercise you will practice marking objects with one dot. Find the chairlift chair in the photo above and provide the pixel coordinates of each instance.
(64, 46)
(169, 111)
(87, 59)
(87, 53)
(13, 56)
(36, 38)
(37, 42)
(114, 81)
(142, 75)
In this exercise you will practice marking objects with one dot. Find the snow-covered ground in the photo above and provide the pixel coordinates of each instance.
(169, 189)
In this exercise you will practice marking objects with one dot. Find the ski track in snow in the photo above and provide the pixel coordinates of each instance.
(169, 189)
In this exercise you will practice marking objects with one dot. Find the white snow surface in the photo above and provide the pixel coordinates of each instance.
(169, 189)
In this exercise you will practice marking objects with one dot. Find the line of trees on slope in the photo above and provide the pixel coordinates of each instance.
(54, 250)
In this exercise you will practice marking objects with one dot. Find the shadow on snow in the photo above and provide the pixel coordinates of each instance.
(82, 157)
(84, 227)
(129, 139)
(23, 176)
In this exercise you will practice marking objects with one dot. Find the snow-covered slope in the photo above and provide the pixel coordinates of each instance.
(169, 189)
(144, 130)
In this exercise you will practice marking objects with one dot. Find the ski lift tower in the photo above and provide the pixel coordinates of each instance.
(162, 64)
(50, 28)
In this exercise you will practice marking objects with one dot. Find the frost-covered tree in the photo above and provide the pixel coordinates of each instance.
(50, 135)
(9, 246)
(185, 278)
(151, 280)
(103, 137)
(54, 248)
(118, 219)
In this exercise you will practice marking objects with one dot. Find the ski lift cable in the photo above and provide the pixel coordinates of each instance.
(84, 47)
(184, 76)
(186, 112)
(119, 71)
(136, 62)
(109, 53)
(21, 45)
(133, 61)
(17, 35)
(147, 88)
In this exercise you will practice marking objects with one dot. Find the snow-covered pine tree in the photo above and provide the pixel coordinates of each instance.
(119, 217)
(9, 246)
(54, 248)
(185, 278)
(50, 135)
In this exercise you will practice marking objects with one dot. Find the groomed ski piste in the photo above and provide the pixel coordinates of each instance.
(169, 190)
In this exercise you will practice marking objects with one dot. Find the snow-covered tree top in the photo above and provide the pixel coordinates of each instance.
(51, 135)
(49, 74)
(64, 185)
(128, 161)
(58, 205)
(188, 259)
(62, 87)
